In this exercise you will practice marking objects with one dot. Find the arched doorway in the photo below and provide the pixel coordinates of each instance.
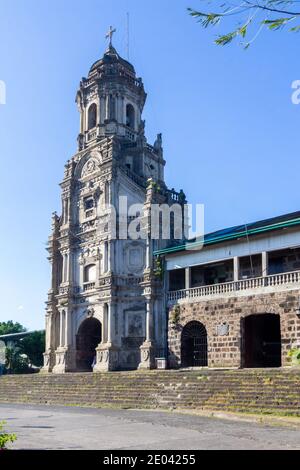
(262, 340)
(88, 337)
(194, 345)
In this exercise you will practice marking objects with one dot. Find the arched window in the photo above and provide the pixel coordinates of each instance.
(92, 116)
(130, 116)
(89, 273)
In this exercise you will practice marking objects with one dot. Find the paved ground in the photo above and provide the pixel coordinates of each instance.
(41, 427)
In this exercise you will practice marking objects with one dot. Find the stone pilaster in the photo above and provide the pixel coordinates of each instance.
(49, 361)
(147, 355)
(147, 348)
(65, 360)
(107, 358)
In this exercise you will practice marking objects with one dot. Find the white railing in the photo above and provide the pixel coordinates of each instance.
(125, 281)
(92, 135)
(227, 287)
(89, 286)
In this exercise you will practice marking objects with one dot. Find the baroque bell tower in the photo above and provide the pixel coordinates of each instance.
(106, 307)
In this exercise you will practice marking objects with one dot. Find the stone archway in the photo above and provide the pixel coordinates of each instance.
(262, 340)
(87, 339)
(194, 345)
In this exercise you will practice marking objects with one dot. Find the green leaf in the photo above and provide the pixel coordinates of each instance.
(243, 30)
(226, 38)
(278, 23)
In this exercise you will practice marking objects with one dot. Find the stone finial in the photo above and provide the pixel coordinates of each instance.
(158, 143)
(80, 140)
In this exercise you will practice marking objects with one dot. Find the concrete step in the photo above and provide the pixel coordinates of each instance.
(269, 391)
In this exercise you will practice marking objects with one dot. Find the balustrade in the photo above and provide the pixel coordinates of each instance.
(227, 287)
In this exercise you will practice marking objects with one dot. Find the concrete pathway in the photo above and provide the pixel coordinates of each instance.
(41, 427)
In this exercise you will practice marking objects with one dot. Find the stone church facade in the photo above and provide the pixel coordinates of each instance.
(118, 302)
(106, 307)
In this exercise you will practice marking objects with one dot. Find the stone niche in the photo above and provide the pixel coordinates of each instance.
(135, 324)
(134, 258)
(134, 336)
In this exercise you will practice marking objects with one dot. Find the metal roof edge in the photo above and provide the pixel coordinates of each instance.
(233, 236)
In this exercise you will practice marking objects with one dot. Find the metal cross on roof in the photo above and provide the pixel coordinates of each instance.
(110, 34)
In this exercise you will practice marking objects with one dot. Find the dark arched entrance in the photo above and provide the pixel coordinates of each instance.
(88, 337)
(262, 341)
(194, 345)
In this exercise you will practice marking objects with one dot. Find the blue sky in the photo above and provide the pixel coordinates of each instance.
(231, 133)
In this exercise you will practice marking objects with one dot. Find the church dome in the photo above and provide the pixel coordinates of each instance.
(110, 58)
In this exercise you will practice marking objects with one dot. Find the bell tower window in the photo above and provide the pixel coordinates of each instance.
(92, 116)
(130, 116)
(89, 273)
(89, 205)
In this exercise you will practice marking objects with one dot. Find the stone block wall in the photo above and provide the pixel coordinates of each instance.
(223, 320)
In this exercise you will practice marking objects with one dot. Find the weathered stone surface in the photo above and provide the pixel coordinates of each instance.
(261, 391)
(227, 351)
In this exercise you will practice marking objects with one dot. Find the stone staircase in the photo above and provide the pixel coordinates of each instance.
(271, 391)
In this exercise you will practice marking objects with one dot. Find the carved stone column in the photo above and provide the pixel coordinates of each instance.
(147, 348)
(107, 354)
(65, 356)
(49, 354)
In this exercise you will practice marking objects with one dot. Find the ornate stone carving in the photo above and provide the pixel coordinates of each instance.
(90, 312)
(89, 167)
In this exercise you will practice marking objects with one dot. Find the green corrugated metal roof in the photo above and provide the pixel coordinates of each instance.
(239, 231)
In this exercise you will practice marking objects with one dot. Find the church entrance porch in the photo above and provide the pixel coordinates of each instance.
(262, 341)
(194, 345)
(88, 338)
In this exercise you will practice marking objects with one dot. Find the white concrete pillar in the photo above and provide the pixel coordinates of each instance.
(116, 107)
(123, 112)
(119, 108)
(104, 324)
(67, 327)
(64, 204)
(102, 109)
(156, 321)
(264, 264)
(105, 257)
(236, 268)
(147, 252)
(86, 119)
(68, 267)
(107, 107)
(98, 120)
(61, 337)
(80, 119)
(111, 255)
(110, 323)
(48, 331)
(188, 278)
(149, 320)
(63, 267)
(67, 211)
